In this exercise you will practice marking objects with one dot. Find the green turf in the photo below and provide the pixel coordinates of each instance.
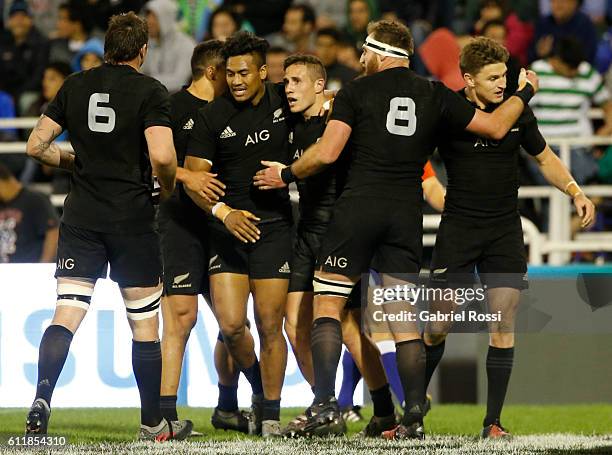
(116, 425)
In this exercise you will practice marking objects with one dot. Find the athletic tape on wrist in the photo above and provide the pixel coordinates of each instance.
(216, 207)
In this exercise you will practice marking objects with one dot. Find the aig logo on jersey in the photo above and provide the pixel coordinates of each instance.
(278, 116)
(257, 137)
(334, 261)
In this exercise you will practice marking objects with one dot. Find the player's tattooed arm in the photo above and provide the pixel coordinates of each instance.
(496, 125)
(558, 175)
(314, 159)
(40, 145)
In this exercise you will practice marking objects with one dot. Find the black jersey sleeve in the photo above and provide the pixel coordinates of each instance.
(345, 108)
(56, 109)
(532, 140)
(202, 142)
(156, 108)
(456, 111)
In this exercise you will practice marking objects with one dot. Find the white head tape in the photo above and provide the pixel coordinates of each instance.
(385, 49)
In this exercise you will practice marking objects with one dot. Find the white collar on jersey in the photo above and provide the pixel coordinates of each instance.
(385, 49)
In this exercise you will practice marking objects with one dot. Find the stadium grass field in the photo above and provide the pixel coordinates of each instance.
(574, 429)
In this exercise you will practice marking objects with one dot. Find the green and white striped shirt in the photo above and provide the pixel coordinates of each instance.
(562, 104)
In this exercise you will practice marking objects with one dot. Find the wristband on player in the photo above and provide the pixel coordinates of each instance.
(573, 189)
(216, 207)
(525, 94)
(286, 175)
(222, 211)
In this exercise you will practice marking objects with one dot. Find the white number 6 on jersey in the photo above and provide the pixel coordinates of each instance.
(407, 114)
(95, 110)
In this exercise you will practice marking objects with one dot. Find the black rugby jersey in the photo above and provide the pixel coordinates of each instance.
(319, 192)
(183, 111)
(483, 174)
(106, 110)
(236, 137)
(396, 118)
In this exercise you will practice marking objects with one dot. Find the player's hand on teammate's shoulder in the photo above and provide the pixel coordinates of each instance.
(270, 177)
(240, 224)
(205, 184)
(585, 209)
(528, 77)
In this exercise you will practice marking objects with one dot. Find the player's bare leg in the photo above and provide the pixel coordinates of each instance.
(142, 306)
(73, 298)
(298, 327)
(179, 313)
(270, 298)
(499, 357)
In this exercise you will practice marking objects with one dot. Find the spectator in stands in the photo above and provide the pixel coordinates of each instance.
(327, 50)
(7, 110)
(222, 24)
(298, 34)
(74, 26)
(28, 223)
(565, 20)
(348, 55)
(275, 59)
(169, 51)
(360, 14)
(329, 13)
(90, 56)
(195, 16)
(265, 17)
(569, 85)
(23, 54)
(44, 14)
(496, 30)
(54, 76)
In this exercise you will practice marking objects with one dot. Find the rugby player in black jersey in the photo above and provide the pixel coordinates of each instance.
(481, 227)
(391, 120)
(184, 246)
(250, 241)
(119, 125)
(304, 87)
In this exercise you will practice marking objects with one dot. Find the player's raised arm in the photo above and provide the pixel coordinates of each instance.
(558, 175)
(496, 125)
(163, 157)
(40, 145)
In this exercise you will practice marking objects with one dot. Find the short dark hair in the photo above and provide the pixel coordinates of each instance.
(79, 12)
(242, 43)
(223, 10)
(308, 12)
(569, 51)
(481, 52)
(62, 68)
(208, 53)
(393, 33)
(126, 35)
(5, 172)
(332, 32)
(492, 23)
(312, 63)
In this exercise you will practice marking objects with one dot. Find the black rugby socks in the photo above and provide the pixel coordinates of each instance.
(411, 368)
(499, 368)
(147, 365)
(326, 345)
(52, 354)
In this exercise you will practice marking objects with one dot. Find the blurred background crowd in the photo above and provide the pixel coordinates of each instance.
(568, 42)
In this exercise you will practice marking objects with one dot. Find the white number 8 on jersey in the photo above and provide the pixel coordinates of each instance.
(407, 114)
(95, 110)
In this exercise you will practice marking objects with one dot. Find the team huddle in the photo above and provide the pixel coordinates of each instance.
(223, 150)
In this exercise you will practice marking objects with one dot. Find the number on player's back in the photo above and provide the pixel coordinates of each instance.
(401, 118)
(100, 119)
